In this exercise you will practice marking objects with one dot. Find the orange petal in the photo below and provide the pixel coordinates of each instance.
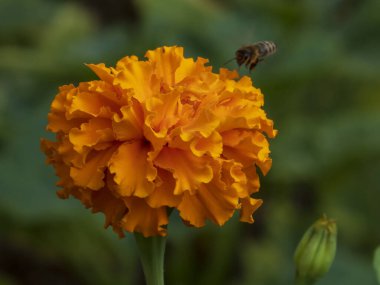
(192, 210)
(136, 76)
(244, 181)
(267, 127)
(163, 111)
(226, 74)
(205, 86)
(57, 115)
(204, 124)
(97, 130)
(189, 171)
(166, 60)
(128, 126)
(245, 85)
(188, 70)
(91, 175)
(247, 148)
(210, 202)
(61, 169)
(89, 104)
(163, 193)
(103, 72)
(113, 208)
(234, 176)
(134, 173)
(112, 96)
(253, 181)
(186, 67)
(64, 98)
(248, 206)
(125, 61)
(240, 110)
(81, 194)
(65, 150)
(58, 122)
(213, 145)
(144, 219)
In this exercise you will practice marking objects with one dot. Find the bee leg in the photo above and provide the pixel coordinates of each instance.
(253, 64)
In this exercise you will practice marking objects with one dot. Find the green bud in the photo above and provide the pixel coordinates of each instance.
(316, 251)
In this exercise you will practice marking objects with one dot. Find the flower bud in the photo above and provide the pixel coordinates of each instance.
(316, 251)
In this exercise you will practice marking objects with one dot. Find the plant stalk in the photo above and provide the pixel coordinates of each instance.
(152, 251)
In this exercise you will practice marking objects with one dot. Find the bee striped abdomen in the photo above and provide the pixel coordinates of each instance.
(266, 48)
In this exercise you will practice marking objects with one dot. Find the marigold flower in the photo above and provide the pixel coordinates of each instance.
(157, 134)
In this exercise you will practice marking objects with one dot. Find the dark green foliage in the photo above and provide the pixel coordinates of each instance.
(321, 89)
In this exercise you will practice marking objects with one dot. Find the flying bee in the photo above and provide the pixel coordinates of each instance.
(251, 55)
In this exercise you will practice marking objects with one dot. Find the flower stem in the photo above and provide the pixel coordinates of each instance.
(152, 251)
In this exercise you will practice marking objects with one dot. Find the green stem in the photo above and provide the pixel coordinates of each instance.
(152, 251)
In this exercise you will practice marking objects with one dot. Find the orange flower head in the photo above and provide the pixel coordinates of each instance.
(162, 133)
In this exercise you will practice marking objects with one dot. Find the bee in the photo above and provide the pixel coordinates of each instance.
(251, 55)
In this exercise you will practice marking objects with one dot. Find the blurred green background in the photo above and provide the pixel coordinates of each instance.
(321, 89)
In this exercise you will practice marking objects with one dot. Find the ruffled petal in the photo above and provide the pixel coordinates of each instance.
(163, 194)
(111, 95)
(133, 173)
(204, 124)
(235, 177)
(185, 68)
(89, 134)
(128, 126)
(88, 104)
(210, 202)
(144, 219)
(136, 76)
(248, 206)
(114, 209)
(165, 61)
(226, 74)
(57, 115)
(163, 112)
(62, 170)
(267, 127)
(204, 86)
(212, 145)
(91, 175)
(103, 72)
(253, 181)
(188, 69)
(66, 153)
(188, 171)
(247, 148)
